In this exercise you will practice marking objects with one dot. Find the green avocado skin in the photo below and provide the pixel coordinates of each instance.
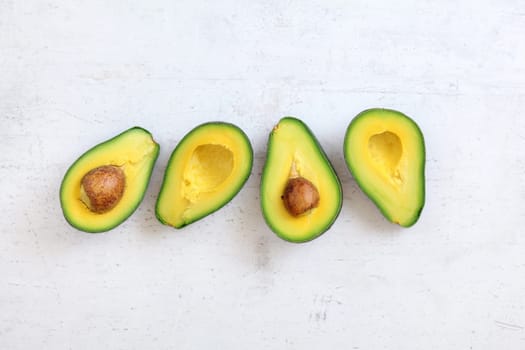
(132, 207)
(362, 182)
(266, 179)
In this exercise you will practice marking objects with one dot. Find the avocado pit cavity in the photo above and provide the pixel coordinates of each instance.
(210, 165)
(386, 150)
(102, 188)
(300, 196)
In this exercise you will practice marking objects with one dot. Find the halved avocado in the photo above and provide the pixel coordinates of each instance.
(385, 152)
(107, 183)
(301, 195)
(206, 170)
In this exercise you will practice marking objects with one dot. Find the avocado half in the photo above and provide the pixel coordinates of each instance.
(385, 152)
(206, 170)
(294, 154)
(133, 154)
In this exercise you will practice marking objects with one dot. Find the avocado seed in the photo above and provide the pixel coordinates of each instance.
(300, 195)
(102, 188)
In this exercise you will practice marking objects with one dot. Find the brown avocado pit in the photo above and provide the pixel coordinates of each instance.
(300, 196)
(102, 188)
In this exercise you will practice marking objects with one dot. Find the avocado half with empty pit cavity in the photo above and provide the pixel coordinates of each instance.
(301, 195)
(385, 152)
(206, 170)
(107, 183)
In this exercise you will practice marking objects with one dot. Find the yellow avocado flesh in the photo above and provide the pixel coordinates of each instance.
(385, 152)
(293, 151)
(206, 170)
(134, 152)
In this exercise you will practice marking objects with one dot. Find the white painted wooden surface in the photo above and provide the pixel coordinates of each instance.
(74, 73)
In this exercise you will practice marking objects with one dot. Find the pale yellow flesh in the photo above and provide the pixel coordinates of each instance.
(382, 150)
(295, 154)
(132, 153)
(209, 166)
(204, 171)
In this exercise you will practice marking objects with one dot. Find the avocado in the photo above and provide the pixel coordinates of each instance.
(105, 185)
(385, 152)
(301, 195)
(208, 167)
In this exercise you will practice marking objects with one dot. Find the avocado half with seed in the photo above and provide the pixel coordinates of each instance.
(385, 152)
(301, 195)
(106, 184)
(206, 170)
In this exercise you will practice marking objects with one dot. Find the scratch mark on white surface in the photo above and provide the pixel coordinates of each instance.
(321, 304)
(33, 285)
(513, 327)
(377, 277)
(262, 253)
(317, 316)
(75, 116)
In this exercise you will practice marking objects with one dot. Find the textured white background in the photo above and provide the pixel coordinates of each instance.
(74, 73)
